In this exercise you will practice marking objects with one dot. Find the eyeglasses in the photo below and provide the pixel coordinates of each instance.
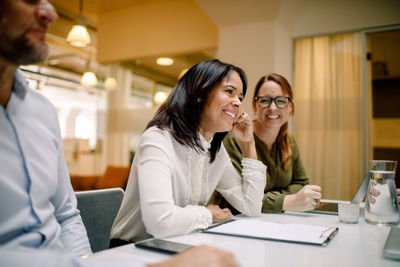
(265, 101)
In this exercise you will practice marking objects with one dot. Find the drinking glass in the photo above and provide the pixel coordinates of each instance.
(382, 205)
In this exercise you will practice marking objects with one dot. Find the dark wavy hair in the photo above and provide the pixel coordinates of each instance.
(181, 112)
(283, 140)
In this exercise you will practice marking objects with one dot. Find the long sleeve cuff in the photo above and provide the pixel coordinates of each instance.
(272, 202)
(205, 218)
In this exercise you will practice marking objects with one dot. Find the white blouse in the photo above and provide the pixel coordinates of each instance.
(170, 184)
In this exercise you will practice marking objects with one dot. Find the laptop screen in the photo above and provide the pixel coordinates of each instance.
(361, 191)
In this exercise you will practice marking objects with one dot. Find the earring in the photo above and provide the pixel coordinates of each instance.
(198, 100)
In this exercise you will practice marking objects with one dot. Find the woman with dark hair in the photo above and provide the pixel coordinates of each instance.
(180, 161)
(287, 186)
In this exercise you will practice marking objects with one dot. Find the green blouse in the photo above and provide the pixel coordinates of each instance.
(280, 182)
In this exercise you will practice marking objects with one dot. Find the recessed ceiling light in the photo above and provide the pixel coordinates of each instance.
(165, 61)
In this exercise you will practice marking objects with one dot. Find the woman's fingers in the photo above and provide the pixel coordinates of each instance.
(313, 191)
(313, 195)
(218, 214)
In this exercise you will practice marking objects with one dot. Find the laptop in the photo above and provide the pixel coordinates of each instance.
(391, 250)
(332, 207)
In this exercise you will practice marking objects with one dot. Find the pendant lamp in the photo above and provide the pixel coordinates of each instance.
(89, 79)
(79, 35)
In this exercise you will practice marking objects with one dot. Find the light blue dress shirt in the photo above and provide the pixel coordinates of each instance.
(38, 208)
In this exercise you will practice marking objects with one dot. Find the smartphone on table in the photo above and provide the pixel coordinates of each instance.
(162, 245)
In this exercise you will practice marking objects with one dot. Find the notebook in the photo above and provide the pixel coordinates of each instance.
(391, 250)
(332, 207)
(264, 230)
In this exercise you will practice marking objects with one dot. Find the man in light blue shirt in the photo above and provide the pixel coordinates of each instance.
(39, 221)
(38, 206)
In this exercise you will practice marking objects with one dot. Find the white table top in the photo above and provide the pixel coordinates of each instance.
(358, 244)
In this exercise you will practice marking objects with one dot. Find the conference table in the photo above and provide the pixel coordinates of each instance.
(359, 244)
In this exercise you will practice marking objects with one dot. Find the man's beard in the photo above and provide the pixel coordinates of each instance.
(20, 50)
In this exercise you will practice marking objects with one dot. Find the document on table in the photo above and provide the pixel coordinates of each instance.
(296, 233)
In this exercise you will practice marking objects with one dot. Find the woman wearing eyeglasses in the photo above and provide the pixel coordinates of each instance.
(287, 186)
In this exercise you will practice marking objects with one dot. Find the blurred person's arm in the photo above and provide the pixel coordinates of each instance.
(199, 257)
(23, 257)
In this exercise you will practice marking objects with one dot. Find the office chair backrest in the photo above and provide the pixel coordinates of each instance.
(98, 210)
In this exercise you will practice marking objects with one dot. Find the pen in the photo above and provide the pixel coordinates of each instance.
(326, 230)
(332, 234)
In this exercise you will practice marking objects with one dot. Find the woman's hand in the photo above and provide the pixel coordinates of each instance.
(243, 128)
(218, 214)
(243, 132)
(306, 199)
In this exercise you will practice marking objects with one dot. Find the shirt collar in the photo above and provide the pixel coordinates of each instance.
(206, 145)
(19, 84)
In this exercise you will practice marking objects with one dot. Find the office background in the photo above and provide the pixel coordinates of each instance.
(337, 123)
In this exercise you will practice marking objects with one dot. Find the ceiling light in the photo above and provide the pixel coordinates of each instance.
(159, 97)
(165, 61)
(110, 84)
(89, 79)
(79, 36)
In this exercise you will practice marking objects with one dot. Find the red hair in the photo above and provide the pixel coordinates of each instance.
(283, 140)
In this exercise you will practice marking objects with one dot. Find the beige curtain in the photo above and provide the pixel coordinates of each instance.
(328, 121)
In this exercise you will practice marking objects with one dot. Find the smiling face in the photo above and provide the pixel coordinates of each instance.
(272, 117)
(222, 107)
(23, 28)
